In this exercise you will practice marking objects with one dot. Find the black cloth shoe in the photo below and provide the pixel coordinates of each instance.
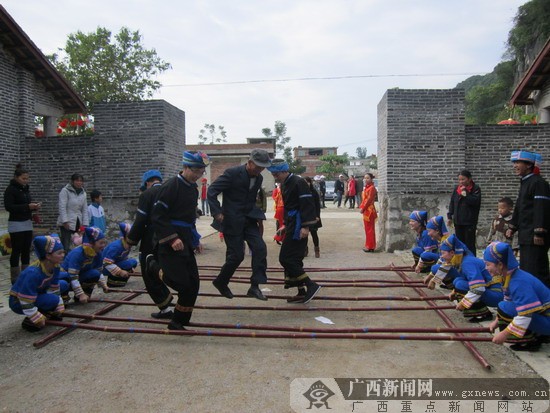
(311, 292)
(478, 319)
(255, 292)
(163, 316)
(298, 298)
(527, 346)
(28, 325)
(173, 325)
(54, 317)
(223, 289)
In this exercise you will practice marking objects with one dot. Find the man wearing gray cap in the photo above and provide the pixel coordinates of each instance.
(238, 219)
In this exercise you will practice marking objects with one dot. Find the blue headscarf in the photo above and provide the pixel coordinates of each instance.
(420, 217)
(524, 156)
(278, 165)
(124, 229)
(438, 224)
(501, 252)
(195, 159)
(46, 244)
(91, 235)
(151, 173)
(454, 244)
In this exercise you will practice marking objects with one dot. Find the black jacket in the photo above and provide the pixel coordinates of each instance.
(16, 201)
(142, 229)
(239, 200)
(532, 210)
(464, 210)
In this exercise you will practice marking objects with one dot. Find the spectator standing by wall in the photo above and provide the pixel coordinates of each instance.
(464, 209)
(18, 202)
(73, 209)
(96, 213)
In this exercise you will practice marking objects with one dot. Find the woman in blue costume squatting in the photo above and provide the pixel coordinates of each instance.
(37, 291)
(523, 317)
(423, 242)
(473, 285)
(116, 264)
(82, 266)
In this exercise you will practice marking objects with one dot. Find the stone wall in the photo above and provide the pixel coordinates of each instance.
(423, 143)
(130, 138)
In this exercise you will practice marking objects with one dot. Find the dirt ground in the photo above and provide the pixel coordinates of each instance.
(112, 372)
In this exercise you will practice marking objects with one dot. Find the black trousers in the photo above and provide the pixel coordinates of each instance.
(291, 258)
(467, 234)
(234, 254)
(180, 272)
(534, 260)
(20, 248)
(157, 290)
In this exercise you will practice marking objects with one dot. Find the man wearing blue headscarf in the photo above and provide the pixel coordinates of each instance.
(142, 232)
(423, 242)
(300, 214)
(531, 217)
(174, 215)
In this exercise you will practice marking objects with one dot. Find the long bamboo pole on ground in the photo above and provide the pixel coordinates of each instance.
(52, 336)
(286, 308)
(469, 346)
(210, 333)
(317, 298)
(240, 326)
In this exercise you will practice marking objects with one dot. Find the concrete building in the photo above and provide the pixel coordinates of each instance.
(309, 157)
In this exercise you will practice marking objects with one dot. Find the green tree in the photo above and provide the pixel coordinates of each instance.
(361, 152)
(333, 165)
(210, 132)
(531, 29)
(103, 69)
(487, 96)
(279, 133)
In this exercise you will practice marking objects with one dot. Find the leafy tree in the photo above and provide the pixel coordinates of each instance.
(279, 133)
(487, 96)
(333, 164)
(210, 132)
(361, 152)
(103, 69)
(531, 29)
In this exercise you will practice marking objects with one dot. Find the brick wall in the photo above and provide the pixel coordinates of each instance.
(130, 138)
(423, 143)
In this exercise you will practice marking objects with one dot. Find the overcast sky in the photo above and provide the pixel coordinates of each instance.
(384, 43)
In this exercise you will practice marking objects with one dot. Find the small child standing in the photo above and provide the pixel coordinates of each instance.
(96, 212)
(505, 207)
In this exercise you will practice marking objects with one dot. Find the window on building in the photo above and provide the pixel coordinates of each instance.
(315, 152)
(301, 152)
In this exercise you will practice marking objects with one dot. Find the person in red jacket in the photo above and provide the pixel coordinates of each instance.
(369, 213)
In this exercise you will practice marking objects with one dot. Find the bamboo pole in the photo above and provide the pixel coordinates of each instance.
(286, 308)
(240, 326)
(317, 298)
(55, 334)
(211, 333)
(469, 346)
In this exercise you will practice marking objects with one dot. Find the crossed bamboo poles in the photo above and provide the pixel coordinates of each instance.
(364, 333)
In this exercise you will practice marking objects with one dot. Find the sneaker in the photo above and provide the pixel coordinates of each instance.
(163, 316)
(298, 298)
(311, 292)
